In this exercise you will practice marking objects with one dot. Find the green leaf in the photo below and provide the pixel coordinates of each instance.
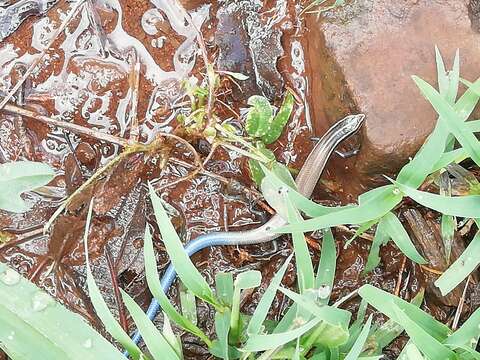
(305, 273)
(357, 347)
(326, 267)
(258, 117)
(245, 280)
(463, 206)
(272, 341)
(25, 332)
(328, 314)
(380, 238)
(374, 208)
(395, 230)
(235, 75)
(157, 291)
(154, 339)
(278, 123)
(261, 311)
(461, 268)
(222, 327)
(451, 119)
(468, 331)
(387, 303)
(188, 304)
(224, 287)
(101, 308)
(186, 271)
(255, 167)
(410, 352)
(18, 177)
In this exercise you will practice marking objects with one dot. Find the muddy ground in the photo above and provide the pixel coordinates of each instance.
(85, 78)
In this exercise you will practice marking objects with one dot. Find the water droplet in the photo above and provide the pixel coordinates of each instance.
(87, 343)
(10, 277)
(11, 335)
(40, 301)
(324, 292)
(396, 191)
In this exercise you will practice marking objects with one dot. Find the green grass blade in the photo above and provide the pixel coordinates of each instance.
(463, 206)
(272, 341)
(261, 311)
(453, 80)
(451, 119)
(380, 238)
(245, 280)
(454, 156)
(383, 302)
(188, 304)
(186, 271)
(156, 343)
(442, 75)
(222, 327)
(330, 315)
(357, 347)
(303, 261)
(326, 267)
(35, 326)
(410, 352)
(101, 308)
(157, 291)
(18, 177)
(395, 230)
(461, 268)
(376, 207)
(224, 287)
(430, 346)
(468, 331)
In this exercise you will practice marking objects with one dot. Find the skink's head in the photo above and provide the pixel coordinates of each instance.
(350, 124)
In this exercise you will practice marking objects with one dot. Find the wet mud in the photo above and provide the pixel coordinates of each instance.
(85, 78)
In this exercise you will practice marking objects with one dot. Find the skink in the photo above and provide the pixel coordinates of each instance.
(305, 181)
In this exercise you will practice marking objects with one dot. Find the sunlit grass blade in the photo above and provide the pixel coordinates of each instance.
(395, 230)
(453, 122)
(421, 337)
(101, 308)
(261, 311)
(222, 327)
(390, 330)
(330, 315)
(272, 341)
(224, 287)
(245, 280)
(453, 80)
(326, 267)
(442, 75)
(303, 261)
(461, 268)
(380, 238)
(374, 208)
(463, 206)
(357, 347)
(384, 301)
(157, 291)
(454, 156)
(184, 267)
(156, 343)
(467, 332)
(410, 352)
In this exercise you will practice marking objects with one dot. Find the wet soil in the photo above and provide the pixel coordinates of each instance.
(85, 79)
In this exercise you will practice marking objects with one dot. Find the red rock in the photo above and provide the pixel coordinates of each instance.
(362, 57)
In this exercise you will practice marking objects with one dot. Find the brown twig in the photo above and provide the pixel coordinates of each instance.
(77, 129)
(37, 60)
(400, 276)
(461, 303)
(116, 290)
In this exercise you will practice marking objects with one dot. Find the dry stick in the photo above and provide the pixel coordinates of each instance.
(456, 319)
(134, 82)
(77, 129)
(116, 290)
(35, 62)
(400, 276)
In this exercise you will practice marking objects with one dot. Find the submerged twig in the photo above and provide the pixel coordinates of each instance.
(461, 303)
(116, 290)
(134, 82)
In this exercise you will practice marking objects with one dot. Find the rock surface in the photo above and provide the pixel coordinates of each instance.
(363, 56)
